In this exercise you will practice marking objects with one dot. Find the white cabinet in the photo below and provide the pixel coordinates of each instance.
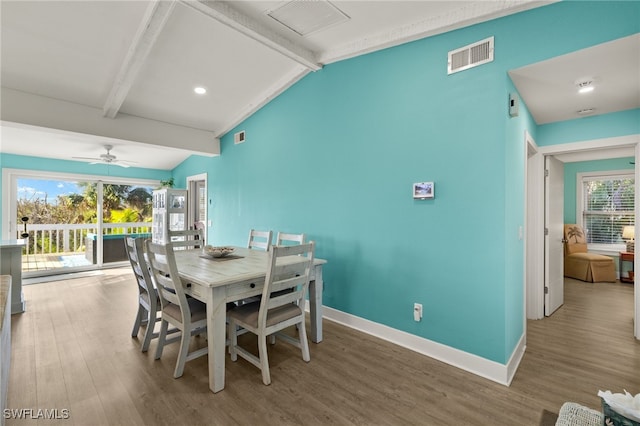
(169, 213)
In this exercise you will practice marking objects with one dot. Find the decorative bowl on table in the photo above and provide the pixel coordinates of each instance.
(217, 251)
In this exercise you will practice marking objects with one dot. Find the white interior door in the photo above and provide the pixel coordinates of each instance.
(554, 235)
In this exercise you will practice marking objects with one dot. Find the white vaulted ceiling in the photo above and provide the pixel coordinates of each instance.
(88, 73)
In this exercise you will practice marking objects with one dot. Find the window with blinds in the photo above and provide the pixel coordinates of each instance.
(608, 206)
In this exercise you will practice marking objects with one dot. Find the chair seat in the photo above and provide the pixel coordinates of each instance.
(592, 257)
(590, 267)
(248, 314)
(198, 310)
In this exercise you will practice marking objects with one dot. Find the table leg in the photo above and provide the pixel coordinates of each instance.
(216, 335)
(315, 305)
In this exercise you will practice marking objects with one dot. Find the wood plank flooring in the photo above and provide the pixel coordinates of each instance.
(72, 350)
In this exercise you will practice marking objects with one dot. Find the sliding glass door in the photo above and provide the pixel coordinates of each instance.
(76, 224)
(56, 219)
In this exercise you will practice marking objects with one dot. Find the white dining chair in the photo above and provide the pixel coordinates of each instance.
(148, 301)
(189, 315)
(280, 307)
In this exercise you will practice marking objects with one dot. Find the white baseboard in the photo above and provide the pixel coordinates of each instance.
(479, 366)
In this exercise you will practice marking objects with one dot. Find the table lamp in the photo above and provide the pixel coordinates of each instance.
(628, 233)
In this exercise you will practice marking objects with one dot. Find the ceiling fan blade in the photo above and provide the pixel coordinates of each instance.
(119, 163)
(87, 158)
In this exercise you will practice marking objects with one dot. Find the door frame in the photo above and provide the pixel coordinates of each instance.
(190, 184)
(534, 286)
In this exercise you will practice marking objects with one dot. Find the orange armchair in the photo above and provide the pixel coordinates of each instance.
(582, 265)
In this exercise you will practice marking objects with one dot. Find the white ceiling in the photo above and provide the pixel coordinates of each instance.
(550, 87)
(125, 70)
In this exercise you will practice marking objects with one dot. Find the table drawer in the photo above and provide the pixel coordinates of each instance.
(244, 290)
(234, 292)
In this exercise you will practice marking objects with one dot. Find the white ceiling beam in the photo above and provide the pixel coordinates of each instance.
(227, 15)
(154, 19)
(35, 110)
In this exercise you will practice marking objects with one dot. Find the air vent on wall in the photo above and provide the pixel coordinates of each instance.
(239, 137)
(470, 56)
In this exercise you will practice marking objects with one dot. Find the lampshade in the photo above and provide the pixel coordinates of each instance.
(628, 232)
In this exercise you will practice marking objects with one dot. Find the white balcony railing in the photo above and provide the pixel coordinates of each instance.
(68, 238)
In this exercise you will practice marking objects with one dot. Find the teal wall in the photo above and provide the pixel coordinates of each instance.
(571, 171)
(514, 178)
(12, 161)
(335, 156)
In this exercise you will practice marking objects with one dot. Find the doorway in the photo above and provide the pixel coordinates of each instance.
(626, 146)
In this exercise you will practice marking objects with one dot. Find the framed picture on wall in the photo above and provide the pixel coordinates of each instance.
(423, 190)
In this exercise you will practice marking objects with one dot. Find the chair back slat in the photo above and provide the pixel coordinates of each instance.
(285, 238)
(187, 239)
(134, 248)
(259, 240)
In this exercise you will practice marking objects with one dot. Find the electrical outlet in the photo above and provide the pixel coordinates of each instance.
(417, 312)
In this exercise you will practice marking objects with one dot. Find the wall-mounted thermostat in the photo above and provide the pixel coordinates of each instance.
(513, 105)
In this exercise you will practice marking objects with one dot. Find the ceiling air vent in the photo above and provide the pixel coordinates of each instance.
(470, 56)
(306, 17)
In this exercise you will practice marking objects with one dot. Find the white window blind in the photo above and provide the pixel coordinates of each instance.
(608, 206)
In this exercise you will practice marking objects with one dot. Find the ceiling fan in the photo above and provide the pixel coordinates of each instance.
(107, 158)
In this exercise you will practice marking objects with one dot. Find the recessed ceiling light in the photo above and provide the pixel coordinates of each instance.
(585, 86)
(200, 90)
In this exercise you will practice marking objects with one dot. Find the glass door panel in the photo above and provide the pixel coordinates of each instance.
(56, 217)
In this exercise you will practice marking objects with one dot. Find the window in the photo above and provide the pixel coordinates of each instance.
(608, 205)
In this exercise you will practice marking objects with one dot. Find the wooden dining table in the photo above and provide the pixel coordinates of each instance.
(218, 281)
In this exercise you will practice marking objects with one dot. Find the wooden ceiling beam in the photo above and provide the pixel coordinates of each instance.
(225, 14)
(154, 19)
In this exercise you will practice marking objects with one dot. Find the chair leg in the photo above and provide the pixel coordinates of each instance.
(138, 321)
(162, 337)
(304, 343)
(148, 334)
(184, 351)
(264, 359)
